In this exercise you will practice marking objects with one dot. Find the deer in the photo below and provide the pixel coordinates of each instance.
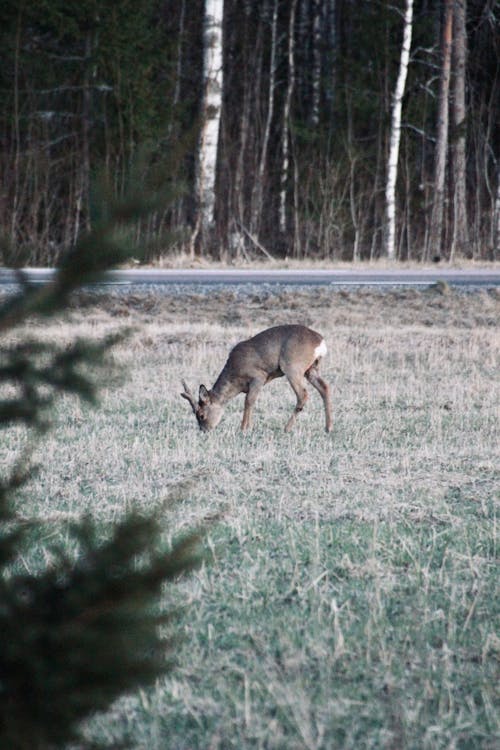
(292, 351)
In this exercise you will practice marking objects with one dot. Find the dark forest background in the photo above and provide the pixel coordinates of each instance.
(96, 89)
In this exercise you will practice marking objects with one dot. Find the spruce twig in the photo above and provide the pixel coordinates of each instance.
(76, 634)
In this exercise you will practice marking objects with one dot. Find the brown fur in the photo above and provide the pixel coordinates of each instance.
(287, 350)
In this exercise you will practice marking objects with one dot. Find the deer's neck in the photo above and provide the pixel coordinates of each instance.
(225, 387)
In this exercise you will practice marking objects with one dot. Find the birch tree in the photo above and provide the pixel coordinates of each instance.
(436, 229)
(306, 107)
(211, 112)
(460, 239)
(392, 164)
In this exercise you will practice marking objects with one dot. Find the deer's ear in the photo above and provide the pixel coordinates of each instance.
(204, 395)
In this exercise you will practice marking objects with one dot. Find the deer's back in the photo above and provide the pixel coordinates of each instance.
(276, 348)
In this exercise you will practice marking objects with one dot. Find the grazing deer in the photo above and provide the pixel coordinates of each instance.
(291, 350)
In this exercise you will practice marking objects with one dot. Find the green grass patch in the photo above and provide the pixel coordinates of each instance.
(331, 634)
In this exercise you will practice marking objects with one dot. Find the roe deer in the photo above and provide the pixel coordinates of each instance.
(291, 350)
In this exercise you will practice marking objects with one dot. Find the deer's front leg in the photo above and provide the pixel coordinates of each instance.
(254, 389)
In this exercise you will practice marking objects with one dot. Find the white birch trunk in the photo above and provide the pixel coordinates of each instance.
(211, 111)
(285, 153)
(392, 164)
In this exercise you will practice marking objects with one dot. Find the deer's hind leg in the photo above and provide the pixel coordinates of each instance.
(298, 383)
(323, 389)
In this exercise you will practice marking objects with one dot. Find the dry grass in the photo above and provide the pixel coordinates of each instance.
(352, 598)
(258, 259)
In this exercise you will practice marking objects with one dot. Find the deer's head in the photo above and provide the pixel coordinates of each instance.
(208, 411)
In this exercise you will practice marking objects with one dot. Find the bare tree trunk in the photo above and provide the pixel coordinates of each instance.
(86, 124)
(211, 112)
(460, 240)
(352, 178)
(354, 212)
(297, 239)
(239, 198)
(436, 230)
(408, 205)
(392, 164)
(331, 85)
(285, 146)
(180, 43)
(302, 40)
(17, 135)
(178, 67)
(496, 220)
(259, 185)
(316, 71)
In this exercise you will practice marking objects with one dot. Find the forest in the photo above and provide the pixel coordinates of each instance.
(314, 129)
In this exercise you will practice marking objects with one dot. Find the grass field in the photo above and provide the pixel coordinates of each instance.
(352, 600)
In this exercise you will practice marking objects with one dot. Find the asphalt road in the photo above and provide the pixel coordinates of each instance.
(366, 277)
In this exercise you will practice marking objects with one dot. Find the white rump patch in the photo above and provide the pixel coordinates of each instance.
(320, 350)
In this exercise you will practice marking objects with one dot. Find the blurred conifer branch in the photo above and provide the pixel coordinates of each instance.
(76, 634)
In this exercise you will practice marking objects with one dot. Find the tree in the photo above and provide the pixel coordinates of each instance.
(263, 160)
(316, 71)
(392, 163)
(496, 220)
(83, 90)
(285, 133)
(56, 624)
(210, 117)
(436, 228)
(460, 238)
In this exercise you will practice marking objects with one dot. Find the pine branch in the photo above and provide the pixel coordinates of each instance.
(90, 630)
(79, 633)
